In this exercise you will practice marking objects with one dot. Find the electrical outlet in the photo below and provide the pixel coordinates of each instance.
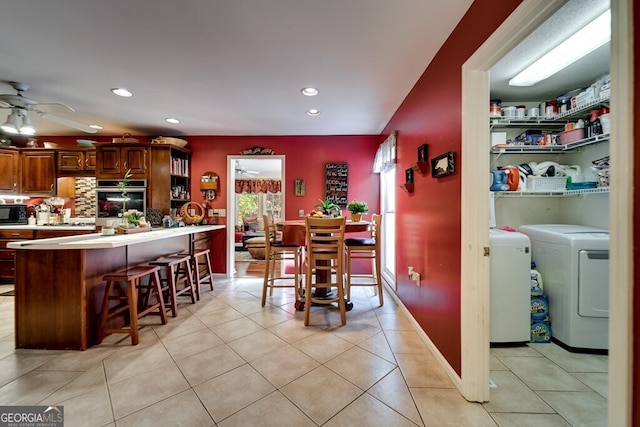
(416, 277)
(210, 212)
(301, 213)
(410, 272)
(222, 212)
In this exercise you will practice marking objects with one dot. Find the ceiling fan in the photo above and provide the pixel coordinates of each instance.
(241, 171)
(18, 120)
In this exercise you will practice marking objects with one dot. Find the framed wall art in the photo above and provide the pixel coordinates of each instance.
(422, 153)
(408, 176)
(299, 187)
(336, 183)
(442, 165)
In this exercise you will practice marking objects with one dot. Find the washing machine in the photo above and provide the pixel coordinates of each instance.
(574, 263)
(510, 290)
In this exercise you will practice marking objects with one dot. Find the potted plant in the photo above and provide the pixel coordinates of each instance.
(357, 208)
(122, 186)
(328, 208)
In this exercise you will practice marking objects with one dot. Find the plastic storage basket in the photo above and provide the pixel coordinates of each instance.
(543, 183)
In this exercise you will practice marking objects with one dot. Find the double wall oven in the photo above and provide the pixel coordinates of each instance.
(109, 199)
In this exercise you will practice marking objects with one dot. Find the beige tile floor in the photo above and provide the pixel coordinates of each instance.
(226, 361)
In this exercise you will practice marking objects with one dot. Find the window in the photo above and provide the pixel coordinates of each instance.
(388, 202)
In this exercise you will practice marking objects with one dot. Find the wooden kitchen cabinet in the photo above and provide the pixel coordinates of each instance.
(10, 176)
(169, 180)
(77, 162)
(38, 173)
(7, 267)
(113, 160)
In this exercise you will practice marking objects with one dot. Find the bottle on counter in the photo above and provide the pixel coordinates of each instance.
(31, 220)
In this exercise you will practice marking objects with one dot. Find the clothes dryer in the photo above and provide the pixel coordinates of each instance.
(510, 313)
(574, 263)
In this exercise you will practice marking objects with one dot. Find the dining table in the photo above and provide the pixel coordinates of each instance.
(294, 233)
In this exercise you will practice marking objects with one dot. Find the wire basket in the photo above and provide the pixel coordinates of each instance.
(543, 183)
(192, 217)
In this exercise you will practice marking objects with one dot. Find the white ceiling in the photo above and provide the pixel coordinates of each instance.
(231, 67)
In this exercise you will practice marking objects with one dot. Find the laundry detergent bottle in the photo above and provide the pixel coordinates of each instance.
(536, 281)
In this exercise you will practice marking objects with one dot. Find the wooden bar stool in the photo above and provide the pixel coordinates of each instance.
(201, 269)
(177, 271)
(129, 300)
(365, 248)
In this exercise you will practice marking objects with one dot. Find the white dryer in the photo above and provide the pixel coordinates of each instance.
(574, 263)
(510, 312)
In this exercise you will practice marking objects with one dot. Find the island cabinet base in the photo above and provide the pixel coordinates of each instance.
(58, 293)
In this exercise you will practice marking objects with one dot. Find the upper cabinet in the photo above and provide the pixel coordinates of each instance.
(170, 179)
(77, 162)
(113, 160)
(38, 177)
(9, 165)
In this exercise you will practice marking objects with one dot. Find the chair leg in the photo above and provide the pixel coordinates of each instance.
(133, 312)
(378, 276)
(348, 284)
(103, 312)
(265, 285)
(307, 295)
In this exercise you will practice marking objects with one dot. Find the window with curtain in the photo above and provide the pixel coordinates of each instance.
(386, 154)
(258, 186)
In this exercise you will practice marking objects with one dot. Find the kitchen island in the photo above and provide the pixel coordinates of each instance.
(59, 287)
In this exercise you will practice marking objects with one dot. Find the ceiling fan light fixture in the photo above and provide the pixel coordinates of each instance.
(97, 127)
(309, 91)
(172, 120)
(26, 128)
(313, 112)
(120, 91)
(11, 125)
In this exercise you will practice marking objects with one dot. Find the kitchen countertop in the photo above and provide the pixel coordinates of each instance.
(48, 227)
(98, 241)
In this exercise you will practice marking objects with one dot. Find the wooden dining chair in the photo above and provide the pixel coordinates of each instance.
(275, 252)
(325, 259)
(365, 248)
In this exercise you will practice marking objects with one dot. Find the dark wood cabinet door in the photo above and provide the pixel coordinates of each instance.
(70, 161)
(108, 162)
(38, 173)
(135, 159)
(9, 163)
(90, 161)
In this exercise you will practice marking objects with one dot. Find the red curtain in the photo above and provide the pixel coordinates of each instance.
(258, 186)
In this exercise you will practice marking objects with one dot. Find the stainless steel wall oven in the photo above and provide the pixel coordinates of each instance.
(109, 200)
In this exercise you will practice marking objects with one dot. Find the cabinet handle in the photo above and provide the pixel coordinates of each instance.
(52, 187)
(86, 163)
(126, 165)
(79, 162)
(117, 165)
(15, 234)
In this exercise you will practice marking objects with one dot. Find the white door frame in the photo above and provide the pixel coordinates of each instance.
(475, 209)
(231, 203)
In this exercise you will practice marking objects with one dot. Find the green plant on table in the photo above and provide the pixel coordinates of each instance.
(122, 186)
(357, 207)
(327, 207)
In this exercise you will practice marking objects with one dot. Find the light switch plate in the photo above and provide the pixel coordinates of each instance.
(210, 212)
(222, 212)
(301, 213)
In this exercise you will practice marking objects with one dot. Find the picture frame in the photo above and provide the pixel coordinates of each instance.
(299, 188)
(422, 153)
(408, 176)
(442, 165)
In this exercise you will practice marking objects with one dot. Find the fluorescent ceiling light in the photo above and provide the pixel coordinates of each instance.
(120, 91)
(172, 120)
(313, 112)
(309, 91)
(585, 41)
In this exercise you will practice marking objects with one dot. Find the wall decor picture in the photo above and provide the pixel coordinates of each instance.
(336, 183)
(408, 176)
(422, 153)
(442, 165)
(299, 187)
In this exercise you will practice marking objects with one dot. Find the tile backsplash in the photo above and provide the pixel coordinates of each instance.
(85, 203)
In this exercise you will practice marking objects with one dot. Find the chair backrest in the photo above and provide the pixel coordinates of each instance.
(269, 232)
(325, 238)
(376, 228)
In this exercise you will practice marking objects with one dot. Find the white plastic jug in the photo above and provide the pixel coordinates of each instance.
(573, 173)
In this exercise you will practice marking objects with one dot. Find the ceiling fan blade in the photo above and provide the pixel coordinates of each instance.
(67, 122)
(53, 108)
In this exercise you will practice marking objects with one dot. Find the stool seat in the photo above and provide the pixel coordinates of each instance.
(177, 271)
(136, 299)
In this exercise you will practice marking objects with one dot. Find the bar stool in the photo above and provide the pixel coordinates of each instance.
(202, 276)
(177, 271)
(129, 300)
(365, 248)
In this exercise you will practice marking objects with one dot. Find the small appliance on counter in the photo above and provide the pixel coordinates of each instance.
(13, 214)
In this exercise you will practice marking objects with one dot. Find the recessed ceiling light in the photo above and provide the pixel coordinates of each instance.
(120, 91)
(309, 91)
(313, 112)
(172, 120)
(96, 127)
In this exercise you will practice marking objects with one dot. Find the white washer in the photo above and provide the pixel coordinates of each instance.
(510, 287)
(574, 263)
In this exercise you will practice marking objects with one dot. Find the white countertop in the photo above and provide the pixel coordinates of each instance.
(98, 241)
(48, 227)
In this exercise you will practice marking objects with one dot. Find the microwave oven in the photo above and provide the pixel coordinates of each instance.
(13, 214)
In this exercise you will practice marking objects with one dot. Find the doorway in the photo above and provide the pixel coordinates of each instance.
(251, 168)
(475, 209)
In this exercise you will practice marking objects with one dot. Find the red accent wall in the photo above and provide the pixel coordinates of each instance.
(428, 221)
(635, 331)
(306, 157)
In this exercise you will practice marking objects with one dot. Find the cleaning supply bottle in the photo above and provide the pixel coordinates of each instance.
(536, 281)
